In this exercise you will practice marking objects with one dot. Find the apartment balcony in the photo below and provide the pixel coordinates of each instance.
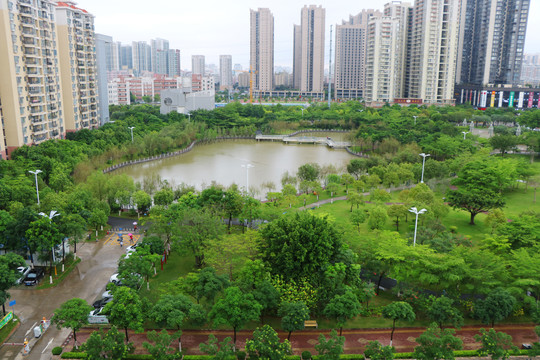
(92, 100)
(37, 110)
(54, 133)
(84, 124)
(51, 98)
(35, 100)
(53, 124)
(53, 116)
(50, 88)
(35, 90)
(25, 10)
(34, 81)
(31, 52)
(93, 107)
(93, 114)
(52, 107)
(37, 119)
(39, 138)
(37, 129)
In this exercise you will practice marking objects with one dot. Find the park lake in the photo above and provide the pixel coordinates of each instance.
(222, 162)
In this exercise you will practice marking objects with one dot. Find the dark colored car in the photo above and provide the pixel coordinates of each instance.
(33, 277)
(102, 302)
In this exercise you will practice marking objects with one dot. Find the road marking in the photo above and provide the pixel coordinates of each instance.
(47, 345)
(31, 327)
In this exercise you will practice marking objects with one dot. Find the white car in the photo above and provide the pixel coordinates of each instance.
(96, 312)
(114, 278)
(23, 270)
(132, 248)
(107, 294)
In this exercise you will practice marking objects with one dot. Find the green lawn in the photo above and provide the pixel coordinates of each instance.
(6, 330)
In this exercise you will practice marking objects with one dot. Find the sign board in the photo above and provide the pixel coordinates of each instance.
(6, 319)
(12, 302)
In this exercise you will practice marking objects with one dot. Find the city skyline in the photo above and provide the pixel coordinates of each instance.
(225, 30)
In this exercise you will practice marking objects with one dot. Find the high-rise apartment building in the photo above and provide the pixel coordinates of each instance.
(30, 89)
(159, 47)
(142, 57)
(311, 65)
(198, 64)
(262, 49)
(104, 47)
(492, 40)
(225, 72)
(77, 57)
(125, 57)
(173, 63)
(433, 50)
(350, 62)
(297, 56)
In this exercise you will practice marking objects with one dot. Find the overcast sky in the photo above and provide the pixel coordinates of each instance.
(218, 27)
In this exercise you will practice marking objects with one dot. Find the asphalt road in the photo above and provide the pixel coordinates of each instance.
(86, 281)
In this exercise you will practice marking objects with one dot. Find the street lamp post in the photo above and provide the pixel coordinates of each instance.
(302, 112)
(415, 211)
(131, 128)
(424, 156)
(415, 119)
(51, 215)
(247, 167)
(189, 117)
(464, 134)
(37, 188)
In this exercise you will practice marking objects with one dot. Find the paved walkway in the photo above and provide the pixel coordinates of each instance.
(356, 339)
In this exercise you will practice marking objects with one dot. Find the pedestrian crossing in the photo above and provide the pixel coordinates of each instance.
(113, 239)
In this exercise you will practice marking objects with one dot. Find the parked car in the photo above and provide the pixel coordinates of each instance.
(96, 312)
(132, 248)
(526, 346)
(107, 295)
(101, 302)
(24, 270)
(33, 276)
(114, 278)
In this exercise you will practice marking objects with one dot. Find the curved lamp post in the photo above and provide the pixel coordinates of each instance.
(247, 167)
(52, 214)
(464, 134)
(417, 212)
(131, 128)
(423, 164)
(37, 188)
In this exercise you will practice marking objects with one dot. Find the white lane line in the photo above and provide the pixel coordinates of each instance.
(47, 345)
(31, 327)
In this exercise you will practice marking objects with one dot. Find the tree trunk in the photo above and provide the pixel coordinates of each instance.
(340, 330)
(230, 221)
(4, 309)
(392, 334)
(127, 337)
(234, 337)
(289, 336)
(472, 218)
(351, 206)
(74, 338)
(397, 223)
(379, 283)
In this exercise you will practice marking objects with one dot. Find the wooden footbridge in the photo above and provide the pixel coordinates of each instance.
(305, 140)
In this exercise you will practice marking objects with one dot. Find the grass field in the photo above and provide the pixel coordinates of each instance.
(517, 200)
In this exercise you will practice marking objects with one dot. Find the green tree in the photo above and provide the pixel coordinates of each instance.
(342, 308)
(358, 217)
(209, 284)
(42, 235)
(377, 217)
(161, 348)
(375, 351)
(355, 198)
(232, 205)
(398, 310)
(219, 350)
(347, 180)
(443, 312)
(126, 310)
(73, 314)
(397, 212)
(356, 167)
(299, 245)
(503, 143)
(195, 228)
(8, 275)
(235, 309)
(144, 264)
(265, 344)
(98, 218)
(109, 345)
(436, 343)
(497, 306)
(164, 197)
(497, 345)
(293, 315)
(143, 201)
(331, 348)
(308, 172)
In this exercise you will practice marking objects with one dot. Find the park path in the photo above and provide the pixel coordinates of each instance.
(356, 339)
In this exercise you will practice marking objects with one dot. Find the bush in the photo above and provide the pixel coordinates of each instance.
(405, 355)
(57, 350)
(306, 355)
(73, 355)
(241, 355)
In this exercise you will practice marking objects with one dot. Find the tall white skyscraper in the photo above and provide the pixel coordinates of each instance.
(197, 64)
(159, 48)
(225, 72)
(350, 63)
(311, 64)
(386, 52)
(434, 50)
(142, 57)
(262, 49)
